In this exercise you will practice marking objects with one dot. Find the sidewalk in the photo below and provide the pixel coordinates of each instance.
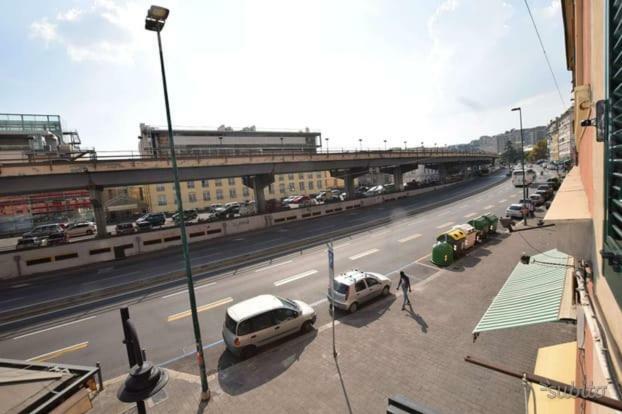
(384, 351)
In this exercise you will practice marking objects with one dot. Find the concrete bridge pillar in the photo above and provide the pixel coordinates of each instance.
(398, 178)
(258, 183)
(96, 195)
(442, 173)
(348, 180)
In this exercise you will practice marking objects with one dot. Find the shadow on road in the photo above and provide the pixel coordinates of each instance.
(418, 318)
(270, 362)
(367, 313)
(343, 386)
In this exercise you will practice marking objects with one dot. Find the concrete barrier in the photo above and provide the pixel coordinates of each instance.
(28, 262)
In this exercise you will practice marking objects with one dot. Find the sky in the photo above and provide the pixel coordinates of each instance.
(432, 71)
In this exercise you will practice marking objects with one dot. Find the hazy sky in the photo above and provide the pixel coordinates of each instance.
(417, 70)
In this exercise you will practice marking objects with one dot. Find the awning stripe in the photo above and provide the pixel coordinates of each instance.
(532, 293)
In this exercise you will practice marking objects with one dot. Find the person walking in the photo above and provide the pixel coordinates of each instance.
(405, 284)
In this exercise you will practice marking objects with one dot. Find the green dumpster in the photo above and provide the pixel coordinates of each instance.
(481, 225)
(456, 239)
(442, 253)
(492, 222)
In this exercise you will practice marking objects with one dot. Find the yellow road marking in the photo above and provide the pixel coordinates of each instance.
(203, 308)
(59, 352)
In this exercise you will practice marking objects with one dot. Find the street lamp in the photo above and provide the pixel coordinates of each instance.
(156, 16)
(326, 139)
(522, 159)
(361, 143)
(405, 142)
(385, 144)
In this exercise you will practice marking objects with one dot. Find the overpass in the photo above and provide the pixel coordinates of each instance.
(257, 169)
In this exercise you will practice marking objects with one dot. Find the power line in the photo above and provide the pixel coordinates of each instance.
(561, 98)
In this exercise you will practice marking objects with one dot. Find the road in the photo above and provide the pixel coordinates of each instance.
(163, 320)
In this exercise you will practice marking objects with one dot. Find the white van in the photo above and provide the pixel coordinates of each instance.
(263, 319)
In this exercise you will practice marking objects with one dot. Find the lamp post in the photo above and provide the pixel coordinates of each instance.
(405, 142)
(385, 144)
(156, 17)
(326, 139)
(522, 159)
(220, 145)
(361, 144)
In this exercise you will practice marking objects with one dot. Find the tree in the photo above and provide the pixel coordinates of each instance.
(539, 151)
(510, 155)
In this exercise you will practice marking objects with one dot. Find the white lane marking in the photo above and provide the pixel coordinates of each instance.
(203, 308)
(185, 291)
(470, 215)
(443, 213)
(273, 266)
(339, 246)
(488, 207)
(363, 254)
(441, 226)
(51, 355)
(318, 302)
(415, 222)
(54, 327)
(177, 358)
(409, 238)
(503, 201)
(295, 277)
(377, 233)
(326, 326)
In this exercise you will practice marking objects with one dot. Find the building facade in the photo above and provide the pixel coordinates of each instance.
(552, 139)
(566, 140)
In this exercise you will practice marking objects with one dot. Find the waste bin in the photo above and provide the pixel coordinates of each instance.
(442, 253)
(470, 234)
(481, 226)
(492, 222)
(456, 239)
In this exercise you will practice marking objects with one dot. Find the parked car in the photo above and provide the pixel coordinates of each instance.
(515, 211)
(354, 288)
(227, 212)
(545, 194)
(529, 204)
(374, 191)
(151, 220)
(546, 188)
(84, 228)
(247, 209)
(188, 216)
(124, 228)
(554, 182)
(263, 319)
(28, 243)
(537, 199)
(46, 235)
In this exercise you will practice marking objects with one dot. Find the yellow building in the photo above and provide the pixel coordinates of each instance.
(201, 194)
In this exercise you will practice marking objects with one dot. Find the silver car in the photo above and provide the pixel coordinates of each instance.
(264, 319)
(354, 288)
(515, 211)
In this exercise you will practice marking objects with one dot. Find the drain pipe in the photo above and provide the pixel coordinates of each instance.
(591, 320)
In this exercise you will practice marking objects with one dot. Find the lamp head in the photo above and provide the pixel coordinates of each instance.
(156, 16)
(516, 109)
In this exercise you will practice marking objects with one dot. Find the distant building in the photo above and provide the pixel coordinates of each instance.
(496, 143)
(201, 194)
(566, 136)
(552, 139)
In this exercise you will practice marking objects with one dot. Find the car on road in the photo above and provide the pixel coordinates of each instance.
(554, 182)
(529, 204)
(515, 211)
(83, 228)
(124, 228)
(227, 212)
(547, 189)
(151, 220)
(374, 191)
(46, 235)
(189, 215)
(354, 288)
(537, 199)
(263, 319)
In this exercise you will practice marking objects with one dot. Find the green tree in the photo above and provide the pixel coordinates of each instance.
(510, 155)
(539, 151)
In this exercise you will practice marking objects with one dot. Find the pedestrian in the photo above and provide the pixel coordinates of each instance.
(405, 284)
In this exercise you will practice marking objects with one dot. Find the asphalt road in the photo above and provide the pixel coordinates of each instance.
(162, 320)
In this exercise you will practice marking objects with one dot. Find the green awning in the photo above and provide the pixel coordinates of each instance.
(541, 291)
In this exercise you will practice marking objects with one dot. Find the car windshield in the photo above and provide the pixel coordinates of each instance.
(515, 207)
(288, 303)
(340, 287)
(230, 323)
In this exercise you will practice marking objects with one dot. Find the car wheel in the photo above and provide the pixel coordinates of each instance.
(306, 327)
(385, 291)
(353, 308)
(248, 351)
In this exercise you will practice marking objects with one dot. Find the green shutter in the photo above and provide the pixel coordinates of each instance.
(612, 249)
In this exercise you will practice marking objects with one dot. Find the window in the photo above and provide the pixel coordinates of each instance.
(310, 185)
(245, 327)
(232, 193)
(271, 189)
(205, 183)
(231, 180)
(283, 314)
(245, 191)
(162, 200)
(292, 187)
(207, 196)
(159, 187)
(371, 281)
(192, 197)
(262, 321)
(290, 176)
(360, 285)
(319, 184)
(219, 195)
(318, 175)
(218, 182)
(281, 177)
(301, 185)
(310, 175)
(282, 188)
(190, 184)
(301, 175)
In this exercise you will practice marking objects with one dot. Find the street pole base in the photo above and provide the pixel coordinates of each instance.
(206, 395)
